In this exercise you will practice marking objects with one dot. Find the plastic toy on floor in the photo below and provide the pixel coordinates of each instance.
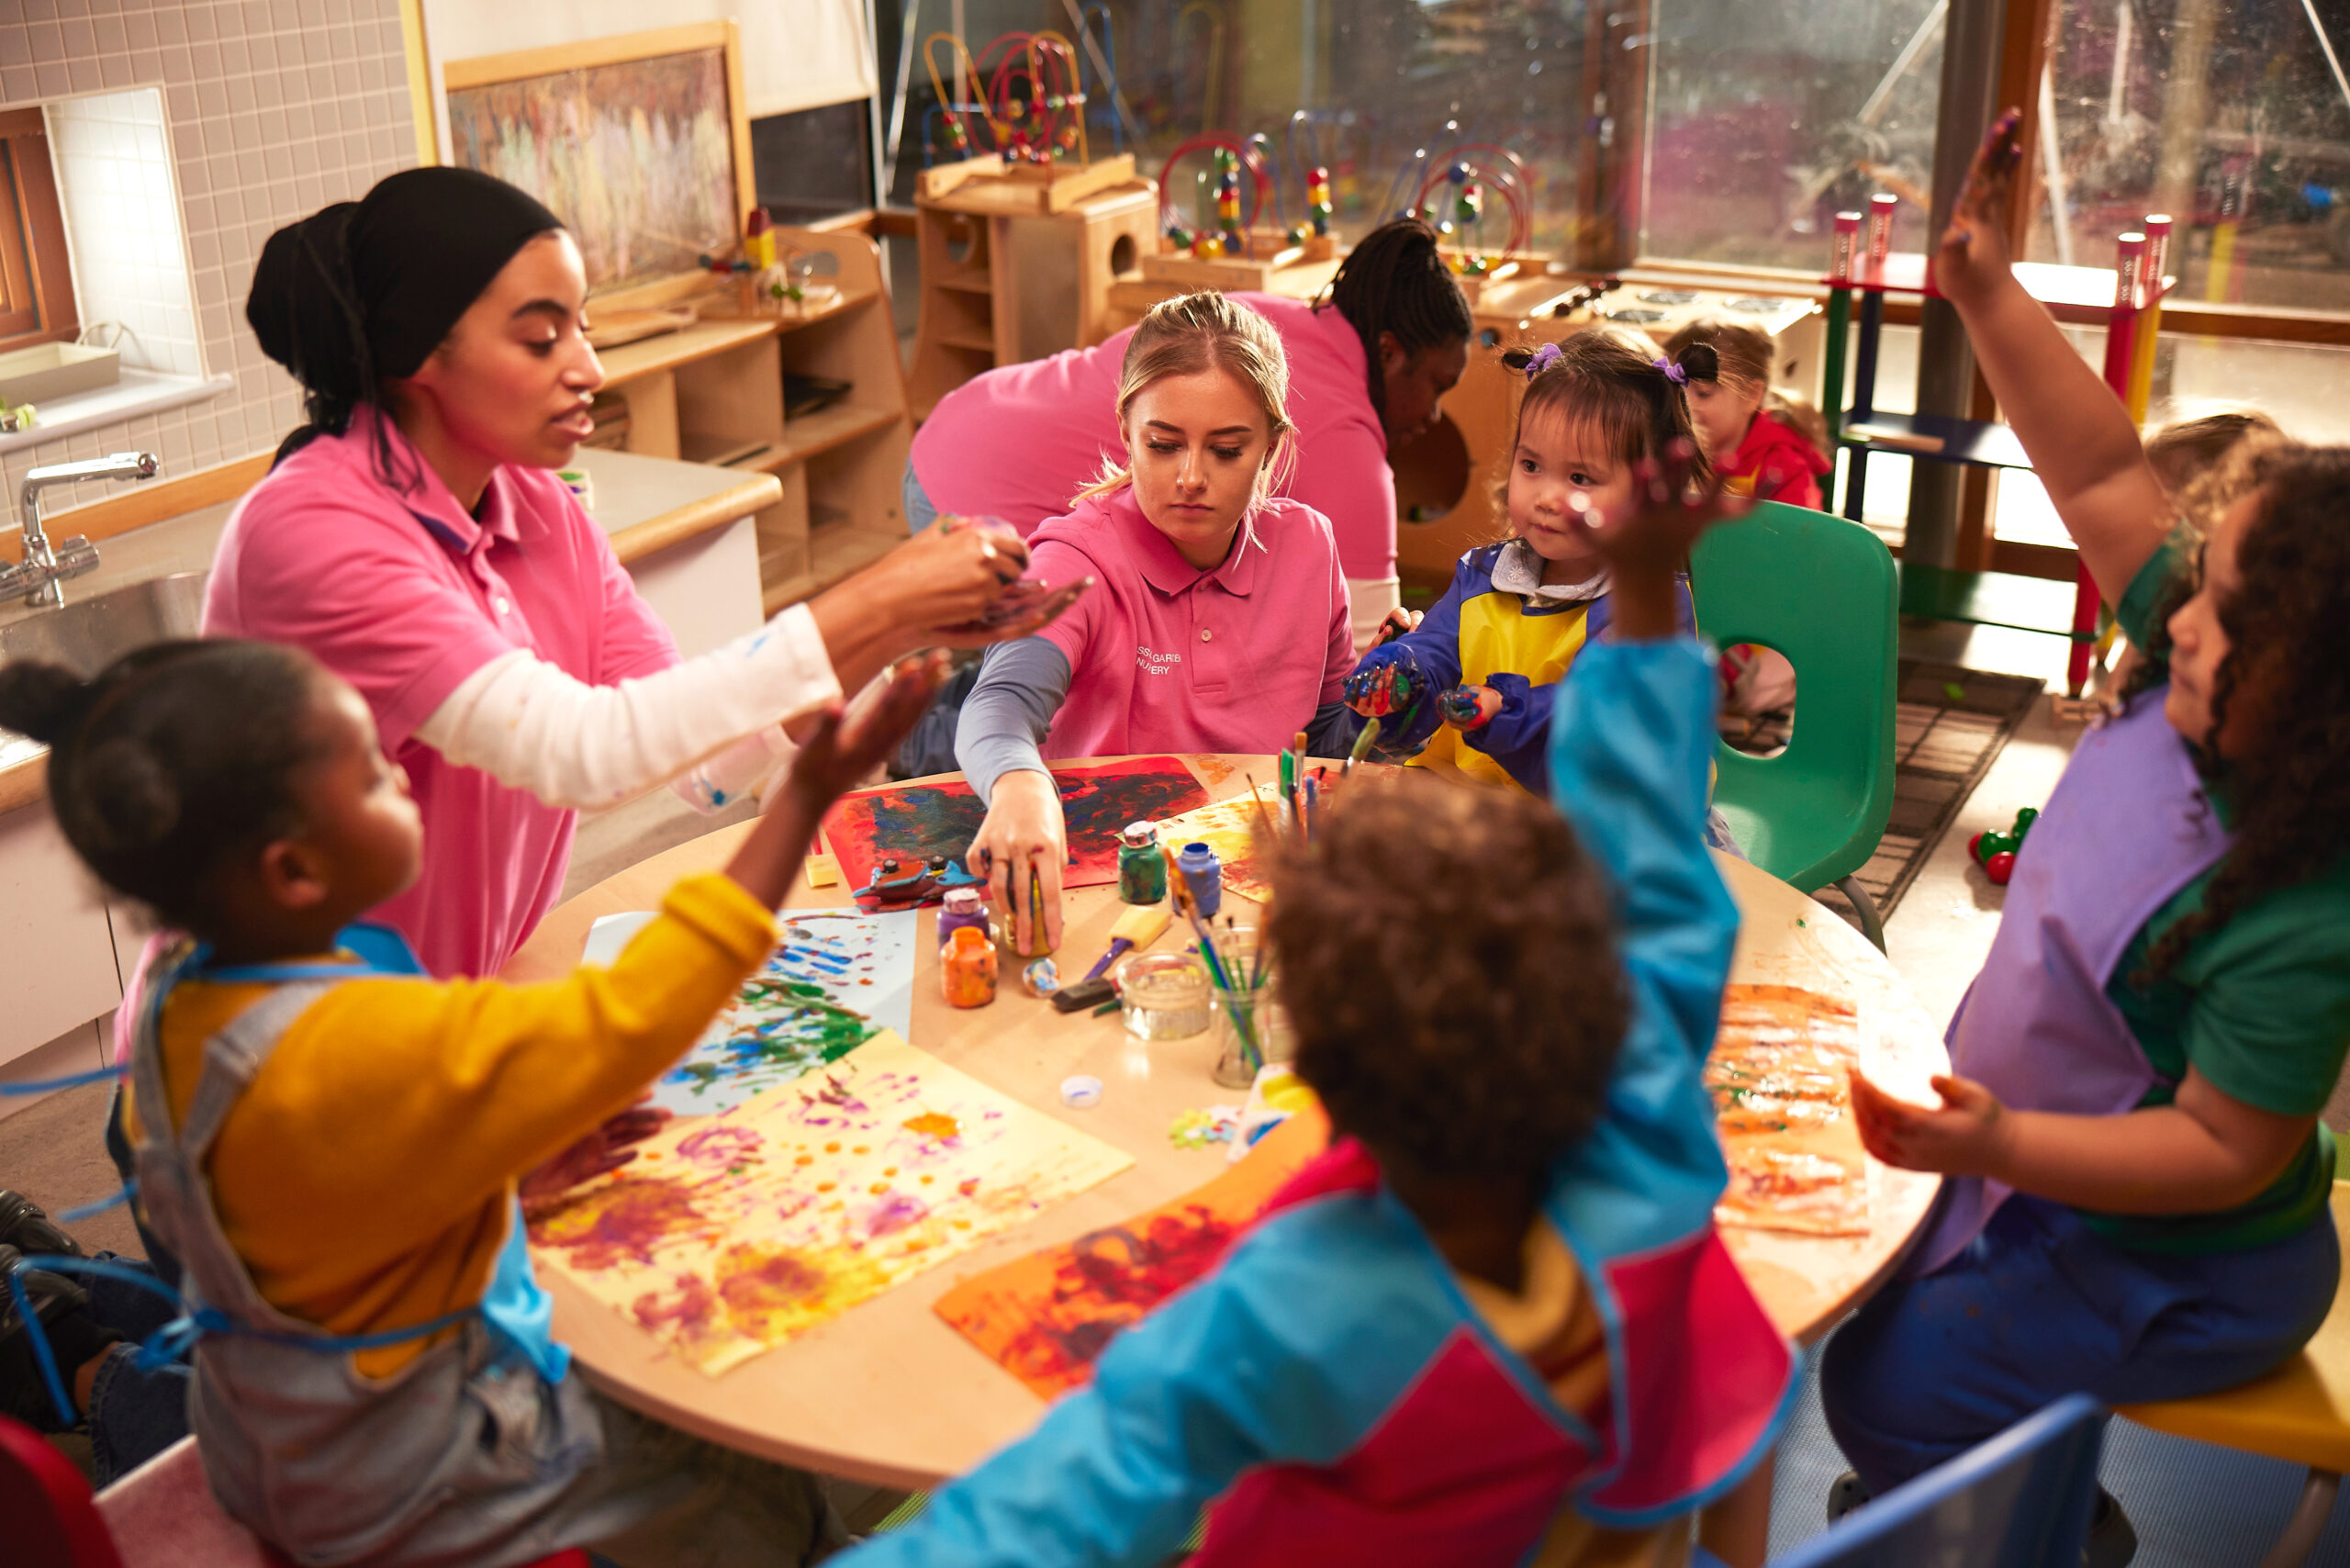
(1996, 852)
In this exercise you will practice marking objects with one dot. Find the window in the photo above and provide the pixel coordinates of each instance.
(36, 279)
(2232, 117)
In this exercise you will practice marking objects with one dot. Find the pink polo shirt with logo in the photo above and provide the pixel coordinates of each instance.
(1165, 657)
(406, 596)
(1019, 442)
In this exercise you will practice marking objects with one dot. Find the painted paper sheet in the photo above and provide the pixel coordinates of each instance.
(1230, 828)
(914, 822)
(732, 1233)
(1046, 1318)
(838, 978)
(1780, 1075)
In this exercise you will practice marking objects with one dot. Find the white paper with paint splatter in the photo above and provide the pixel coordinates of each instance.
(839, 977)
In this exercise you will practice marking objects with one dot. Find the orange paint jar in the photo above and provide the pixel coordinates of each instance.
(966, 968)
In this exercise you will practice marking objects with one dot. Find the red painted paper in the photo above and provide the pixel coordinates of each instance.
(914, 822)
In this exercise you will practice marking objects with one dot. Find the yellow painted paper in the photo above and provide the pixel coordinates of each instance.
(732, 1233)
(1230, 828)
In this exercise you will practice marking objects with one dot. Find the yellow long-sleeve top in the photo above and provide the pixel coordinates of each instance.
(366, 1176)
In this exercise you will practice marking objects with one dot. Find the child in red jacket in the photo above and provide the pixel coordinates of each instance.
(1763, 442)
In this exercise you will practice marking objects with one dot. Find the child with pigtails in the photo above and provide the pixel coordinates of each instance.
(1472, 686)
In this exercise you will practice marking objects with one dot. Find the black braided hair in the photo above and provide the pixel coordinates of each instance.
(1393, 281)
(171, 761)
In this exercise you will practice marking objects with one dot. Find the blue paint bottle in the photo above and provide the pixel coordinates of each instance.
(1203, 874)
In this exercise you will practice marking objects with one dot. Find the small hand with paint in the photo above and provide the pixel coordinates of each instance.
(1965, 1136)
(1384, 684)
(844, 749)
(1396, 622)
(1469, 707)
(1974, 257)
(1647, 547)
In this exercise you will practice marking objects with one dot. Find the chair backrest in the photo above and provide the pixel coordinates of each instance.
(45, 1505)
(1824, 592)
(2021, 1500)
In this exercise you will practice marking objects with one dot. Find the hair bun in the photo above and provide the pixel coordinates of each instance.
(133, 804)
(1700, 362)
(42, 701)
(302, 308)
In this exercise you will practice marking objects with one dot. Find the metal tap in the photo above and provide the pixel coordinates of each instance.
(46, 566)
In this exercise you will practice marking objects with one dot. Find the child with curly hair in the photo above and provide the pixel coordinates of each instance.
(2139, 1180)
(329, 1140)
(1471, 687)
(1493, 1324)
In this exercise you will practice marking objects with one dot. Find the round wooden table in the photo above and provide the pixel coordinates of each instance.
(888, 1394)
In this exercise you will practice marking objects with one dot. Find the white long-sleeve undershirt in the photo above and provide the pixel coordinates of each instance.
(707, 726)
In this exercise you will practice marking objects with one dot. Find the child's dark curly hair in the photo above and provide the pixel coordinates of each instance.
(2288, 631)
(172, 760)
(1449, 958)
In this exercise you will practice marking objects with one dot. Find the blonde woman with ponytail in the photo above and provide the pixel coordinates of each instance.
(1218, 620)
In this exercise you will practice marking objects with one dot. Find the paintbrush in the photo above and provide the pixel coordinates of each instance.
(1264, 818)
(1189, 908)
(1363, 742)
(1140, 927)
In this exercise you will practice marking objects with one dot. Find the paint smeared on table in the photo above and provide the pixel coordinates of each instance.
(1046, 1318)
(797, 1204)
(914, 822)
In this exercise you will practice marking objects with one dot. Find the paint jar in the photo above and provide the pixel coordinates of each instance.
(1203, 874)
(1006, 929)
(1241, 1012)
(961, 907)
(966, 968)
(1164, 996)
(1142, 869)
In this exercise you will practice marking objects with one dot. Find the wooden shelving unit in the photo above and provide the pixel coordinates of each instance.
(714, 392)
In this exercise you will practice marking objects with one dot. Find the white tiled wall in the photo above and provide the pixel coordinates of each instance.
(274, 108)
(114, 176)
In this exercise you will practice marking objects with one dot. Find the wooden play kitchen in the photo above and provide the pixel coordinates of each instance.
(766, 350)
(888, 1392)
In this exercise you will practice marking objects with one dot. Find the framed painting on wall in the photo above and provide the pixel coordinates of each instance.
(639, 143)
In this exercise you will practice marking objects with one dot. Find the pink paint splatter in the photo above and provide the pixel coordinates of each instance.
(719, 1144)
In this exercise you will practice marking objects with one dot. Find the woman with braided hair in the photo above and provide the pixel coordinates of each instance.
(1367, 366)
(2138, 1198)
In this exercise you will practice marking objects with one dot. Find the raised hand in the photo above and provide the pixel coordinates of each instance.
(844, 749)
(1973, 256)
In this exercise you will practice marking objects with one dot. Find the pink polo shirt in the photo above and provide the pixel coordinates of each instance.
(1019, 442)
(404, 597)
(1165, 657)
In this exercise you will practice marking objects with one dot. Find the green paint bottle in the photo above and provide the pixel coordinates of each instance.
(1142, 869)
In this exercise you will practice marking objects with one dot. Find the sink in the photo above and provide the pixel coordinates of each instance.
(88, 634)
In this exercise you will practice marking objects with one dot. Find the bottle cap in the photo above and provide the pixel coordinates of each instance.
(1081, 1092)
(962, 900)
(1140, 836)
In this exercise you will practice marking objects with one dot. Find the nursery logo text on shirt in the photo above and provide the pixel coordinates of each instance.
(1156, 663)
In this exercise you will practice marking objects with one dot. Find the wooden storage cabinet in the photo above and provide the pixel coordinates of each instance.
(715, 392)
(57, 958)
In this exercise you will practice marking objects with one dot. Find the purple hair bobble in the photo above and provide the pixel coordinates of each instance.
(1672, 372)
(1544, 358)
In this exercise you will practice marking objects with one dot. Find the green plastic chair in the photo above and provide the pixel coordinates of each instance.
(1822, 591)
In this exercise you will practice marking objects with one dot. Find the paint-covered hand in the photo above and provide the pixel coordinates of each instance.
(599, 1154)
(1020, 849)
(1024, 609)
(1469, 707)
(1972, 257)
(950, 575)
(1388, 681)
(1965, 1136)
(1645, 544)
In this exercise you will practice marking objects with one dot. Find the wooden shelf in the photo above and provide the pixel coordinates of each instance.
(836, 551)
(964, 341)
(1989, 598)
(821, 432)
(650, 356)
(969, 283)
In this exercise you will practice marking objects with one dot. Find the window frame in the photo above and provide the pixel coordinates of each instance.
(33, 235)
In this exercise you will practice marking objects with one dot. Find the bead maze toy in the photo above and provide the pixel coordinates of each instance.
(1222, 245)
(1020, 231)
(1451, 200)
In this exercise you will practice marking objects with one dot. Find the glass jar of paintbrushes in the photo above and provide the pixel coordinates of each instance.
(1243, 1014)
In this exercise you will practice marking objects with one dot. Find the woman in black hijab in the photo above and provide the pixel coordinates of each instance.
(412, 537)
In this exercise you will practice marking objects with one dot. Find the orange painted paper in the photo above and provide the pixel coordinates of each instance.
(1046, 1318)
